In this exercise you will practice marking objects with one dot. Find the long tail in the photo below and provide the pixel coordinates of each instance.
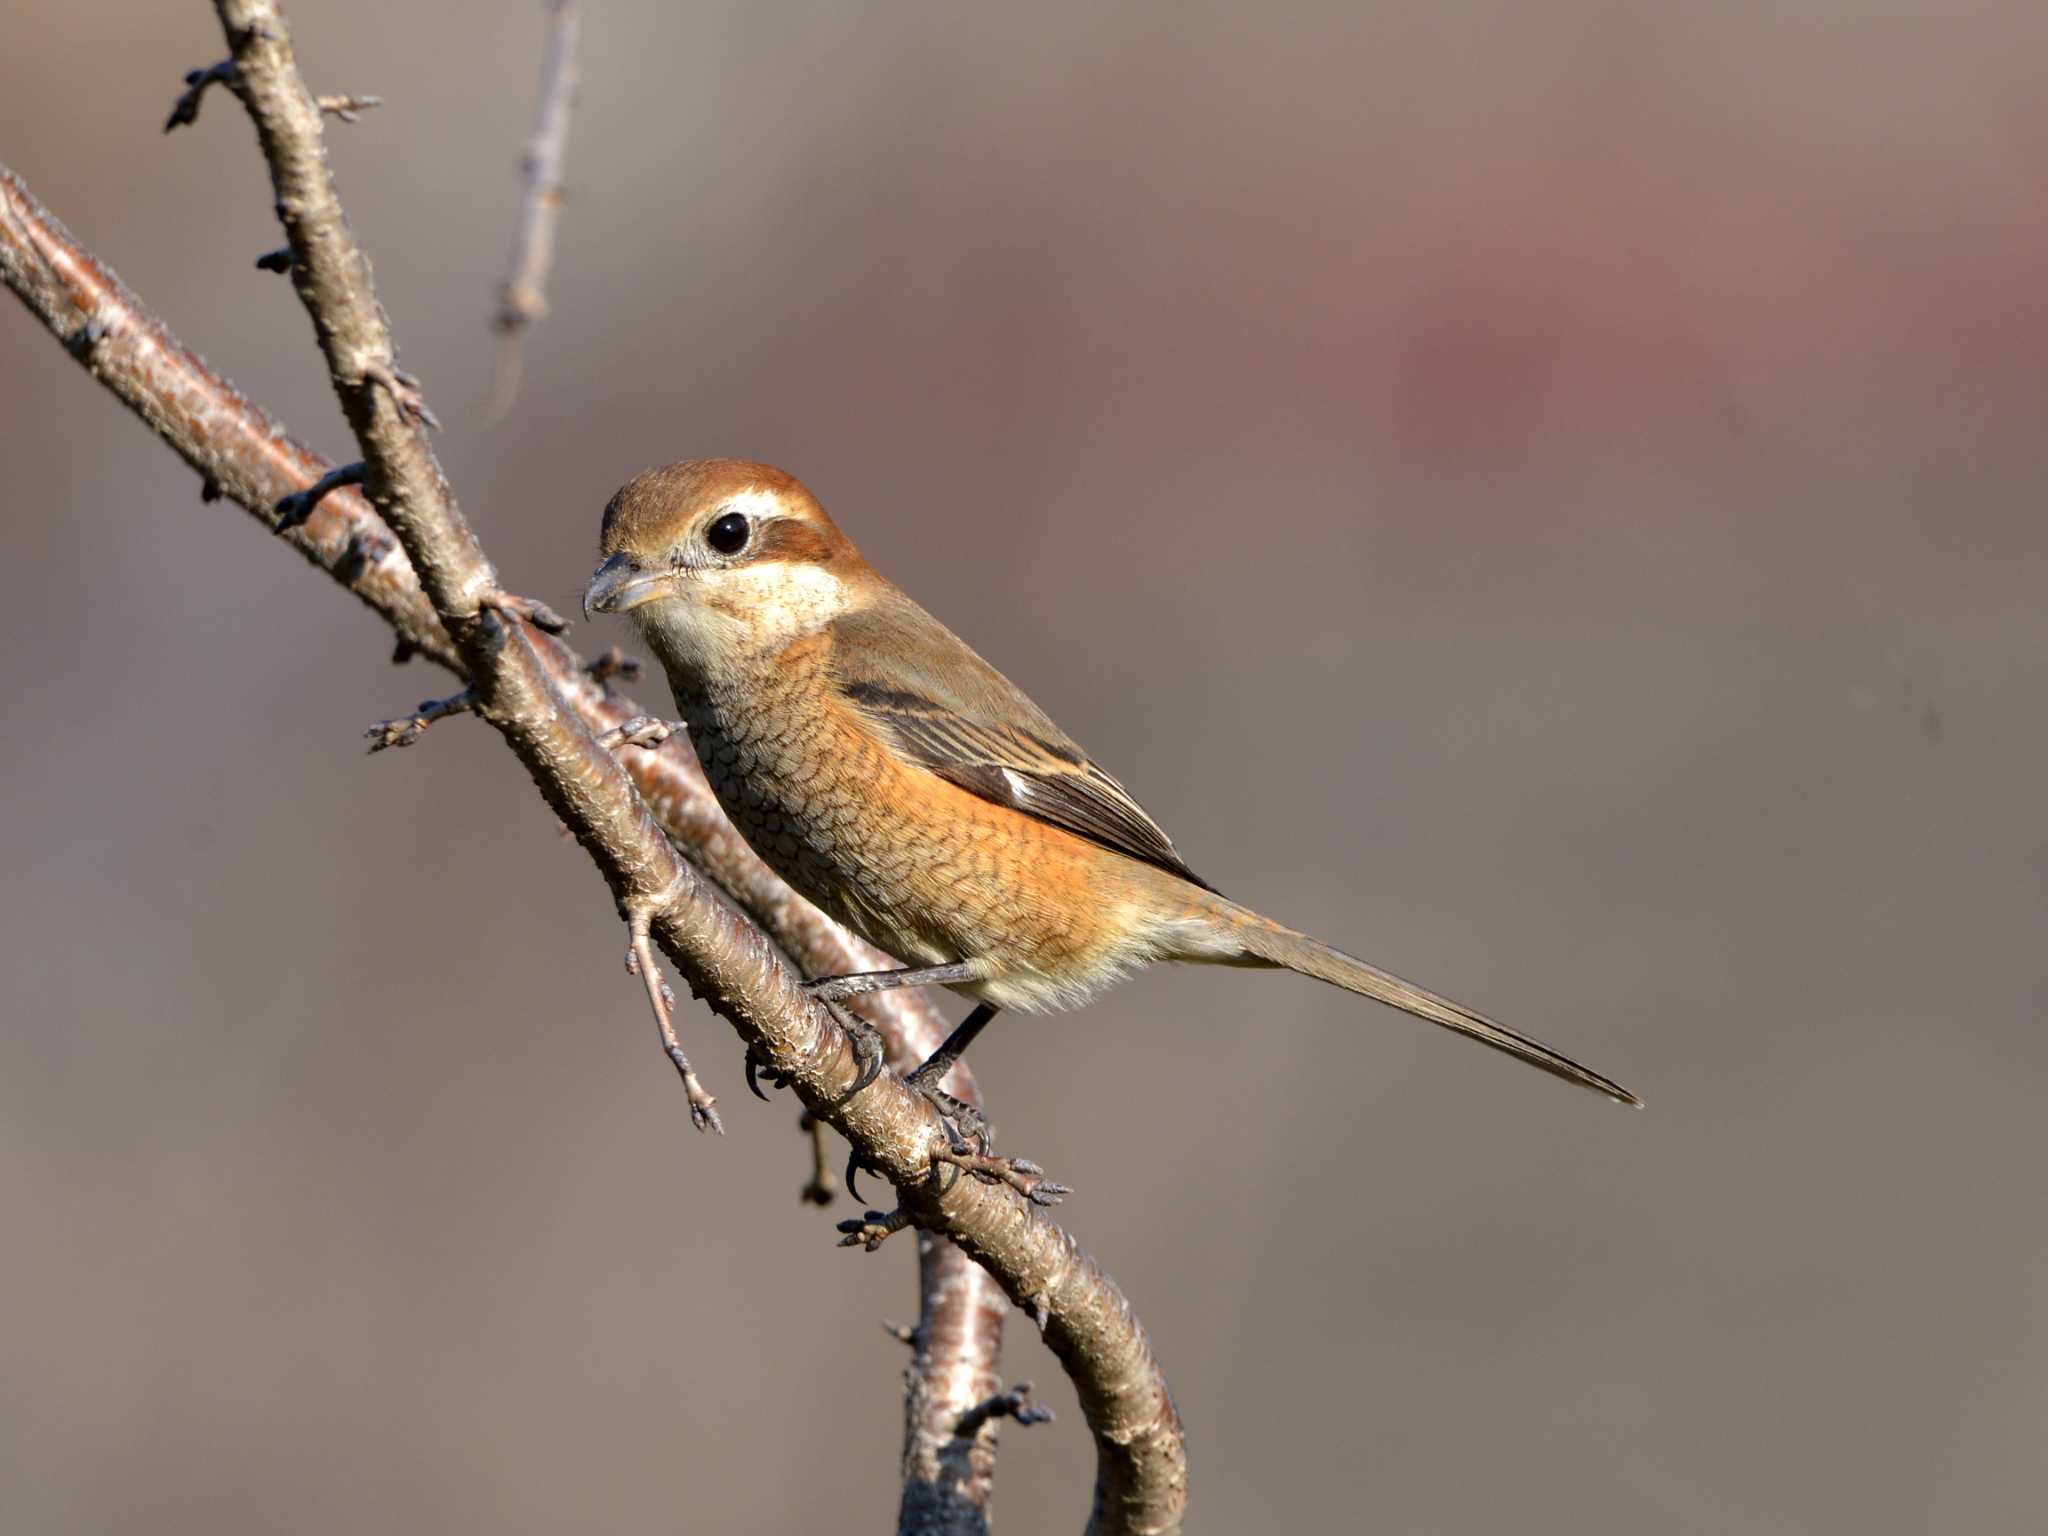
(1266, 942)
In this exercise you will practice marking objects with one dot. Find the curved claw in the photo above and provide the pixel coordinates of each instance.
(871, 1063)
(868, 1051)
(753, 1080)
(853, 1167)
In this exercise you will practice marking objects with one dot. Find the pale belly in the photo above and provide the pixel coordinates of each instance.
(925, 871)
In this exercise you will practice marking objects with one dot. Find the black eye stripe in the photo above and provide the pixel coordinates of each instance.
(729, 534)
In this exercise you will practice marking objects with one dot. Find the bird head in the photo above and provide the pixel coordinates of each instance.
(722, 558)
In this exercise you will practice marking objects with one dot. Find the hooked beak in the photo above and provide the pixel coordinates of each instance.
(620, 584)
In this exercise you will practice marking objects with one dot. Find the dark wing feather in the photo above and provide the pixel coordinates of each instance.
(953, 713)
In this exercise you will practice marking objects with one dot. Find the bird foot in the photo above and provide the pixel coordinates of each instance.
(1019, 1173)
(862, 1038)
(970, 1148)
(870, 1051)
(833, 989)
(967, 1129)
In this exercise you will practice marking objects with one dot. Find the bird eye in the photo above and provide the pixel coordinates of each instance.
(729, 534)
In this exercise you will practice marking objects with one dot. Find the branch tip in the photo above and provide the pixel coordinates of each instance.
(522, 297)
(871, 1229)
(640, 731)
(294, 509)
(821, 1188)
(613, 665)
(407, 729)
(185, 110)
(1017, 1403)
(531, 609)
(346, 105)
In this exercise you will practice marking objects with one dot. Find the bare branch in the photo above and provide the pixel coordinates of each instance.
(1141, 1476)
(948, 1466)
(239, 452)
(522, 299)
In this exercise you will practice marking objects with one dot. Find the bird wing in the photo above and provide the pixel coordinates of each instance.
(954, 714)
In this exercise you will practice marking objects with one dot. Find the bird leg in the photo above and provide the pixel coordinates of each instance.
(958, 1115)
(971, 1138)
(962, 1120)
(834, 989)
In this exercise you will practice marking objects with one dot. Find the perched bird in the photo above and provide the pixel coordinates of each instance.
(912, 791)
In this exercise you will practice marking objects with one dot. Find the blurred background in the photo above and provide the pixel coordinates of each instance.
(1547, 497)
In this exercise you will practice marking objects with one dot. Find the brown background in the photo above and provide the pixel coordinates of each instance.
(1547, 496)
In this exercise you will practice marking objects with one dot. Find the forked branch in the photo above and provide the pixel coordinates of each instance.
(245, 457)
(528, 686)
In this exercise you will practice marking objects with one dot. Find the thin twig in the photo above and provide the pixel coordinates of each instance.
(1017, 1403)
(614, 664)
(640, 962)
(873, 1228)
(294, 509)
(640, 731)
(346, 105)
(523, 297)
(185, 110)
(407, 729)
(530, 609)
